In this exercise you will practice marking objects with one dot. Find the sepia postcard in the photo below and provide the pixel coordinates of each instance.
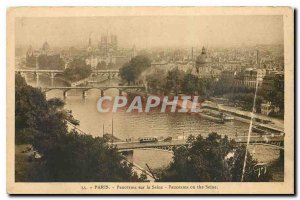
(150, 100)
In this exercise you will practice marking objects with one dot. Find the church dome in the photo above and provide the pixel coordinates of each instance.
(202, 58)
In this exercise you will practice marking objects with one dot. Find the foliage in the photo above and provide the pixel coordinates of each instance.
(111, 65)
(77, 70)
(274, 93)
(31, 112)
(275, 96)
(211, 159)
(245, 100)
(67, 156)
(131, 71)
(30, 61)
(101, 65)
(174, 80)
(178, 81)
(56, 103)
(190, 84)
(77, 157)
(272, 90)
(156, 80)
(50, 62)
(194, 85)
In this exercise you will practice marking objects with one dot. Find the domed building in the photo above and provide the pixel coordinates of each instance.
(202, 64)
(202, 59)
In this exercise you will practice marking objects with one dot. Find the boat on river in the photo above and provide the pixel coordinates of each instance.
(212, 115)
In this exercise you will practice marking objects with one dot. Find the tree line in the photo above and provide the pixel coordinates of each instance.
(212, 159)
(77, 70)
(66, 155)
(175, 81)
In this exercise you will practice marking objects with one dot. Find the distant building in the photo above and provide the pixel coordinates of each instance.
(162, 66)
(45, 48)
(273, 80)
(249, 77)
(202, 63)
(203, 66)
(96, 56)
(227, 78)
(44, 58)
(94, 60)
(252, 75)
(108, 44)
(114, 42)
(31, 58)
(234, 80)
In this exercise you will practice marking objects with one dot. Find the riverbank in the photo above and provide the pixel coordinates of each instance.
(245, 116)
(273, 124)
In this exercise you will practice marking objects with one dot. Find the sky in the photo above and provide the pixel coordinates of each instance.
(151, 31)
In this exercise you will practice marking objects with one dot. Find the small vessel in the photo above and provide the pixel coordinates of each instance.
(214, 116)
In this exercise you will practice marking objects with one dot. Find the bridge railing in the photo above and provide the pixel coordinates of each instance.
(61, 70)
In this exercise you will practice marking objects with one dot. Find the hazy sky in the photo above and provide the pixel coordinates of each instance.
(152, 31)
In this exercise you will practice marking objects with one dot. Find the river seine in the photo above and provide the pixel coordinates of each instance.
(136, 125)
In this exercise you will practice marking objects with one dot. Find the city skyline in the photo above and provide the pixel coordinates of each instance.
(162, 100)
(151, 31)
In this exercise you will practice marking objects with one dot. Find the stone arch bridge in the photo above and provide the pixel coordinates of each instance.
(84, 89)
(109, 73)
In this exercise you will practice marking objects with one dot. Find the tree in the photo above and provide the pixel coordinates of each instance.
(101, 65)
(190, 84)
(206, 86)
(56, 103)
(111, 65)
(127, 73)
(32, 112)
(273, 91)
(131, 71)
(211, 159)
(174, 81)
(77, 70)
(50, 62)
(156, 80)
(78, 157)
(66, 155)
